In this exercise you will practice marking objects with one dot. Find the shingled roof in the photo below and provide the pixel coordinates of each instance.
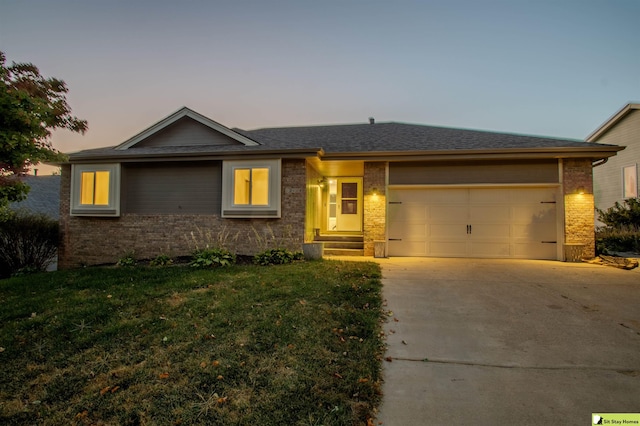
(43, 196)
(361, 140)
(389, 137)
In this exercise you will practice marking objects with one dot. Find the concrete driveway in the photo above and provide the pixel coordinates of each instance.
(482, 342)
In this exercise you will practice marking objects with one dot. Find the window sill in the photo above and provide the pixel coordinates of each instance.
(90, 212)
(248, 214)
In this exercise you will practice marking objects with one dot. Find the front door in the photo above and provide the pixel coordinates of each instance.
(345, 205)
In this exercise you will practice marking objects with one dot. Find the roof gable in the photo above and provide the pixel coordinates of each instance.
(612, 122)
(186, 127)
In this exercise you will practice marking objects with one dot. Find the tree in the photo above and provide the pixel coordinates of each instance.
(31, 107)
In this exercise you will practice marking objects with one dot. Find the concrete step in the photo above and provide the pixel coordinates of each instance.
(343, 245)
(343, 252)
(342, 238)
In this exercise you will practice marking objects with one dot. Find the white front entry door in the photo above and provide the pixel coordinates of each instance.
(473, 222)
(345, 213)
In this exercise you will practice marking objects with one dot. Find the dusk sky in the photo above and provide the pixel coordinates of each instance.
(546, 67)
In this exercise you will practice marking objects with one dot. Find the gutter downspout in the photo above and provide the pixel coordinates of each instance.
(599, 162)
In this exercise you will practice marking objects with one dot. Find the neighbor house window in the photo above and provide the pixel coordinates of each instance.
(630, 181)
(95, 190)
(251, 188)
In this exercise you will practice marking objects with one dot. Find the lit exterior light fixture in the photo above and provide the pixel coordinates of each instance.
(374, 191)
(581, 190)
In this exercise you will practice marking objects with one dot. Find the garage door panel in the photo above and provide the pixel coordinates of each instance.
(401, 248)
(534, 251)
(415, 232)
(411, 212)
(505, 222)
(447, 248)
(444, 231)
(535, 195)
(500, 231)
(490, 249)
(534, 213)
(489, 214)
(448, 214)
(533, 233)
(488, 196)
(445, 196)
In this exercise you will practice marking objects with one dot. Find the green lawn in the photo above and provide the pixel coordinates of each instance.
(296, 344)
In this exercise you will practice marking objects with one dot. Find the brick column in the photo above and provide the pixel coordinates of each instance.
(374, 205)
(579, 216)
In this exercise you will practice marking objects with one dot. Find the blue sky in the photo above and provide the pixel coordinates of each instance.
(545, 67)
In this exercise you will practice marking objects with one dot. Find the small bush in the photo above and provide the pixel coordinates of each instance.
(621, 215)
(212, 258)
(161, 260)
(28, 242)
(622, 232)
(278, 256)
(128, 259)
(620, 239)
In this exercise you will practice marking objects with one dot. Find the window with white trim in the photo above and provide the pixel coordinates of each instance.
(95, 190)
(251, 188)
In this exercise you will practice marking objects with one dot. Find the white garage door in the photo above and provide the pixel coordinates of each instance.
(473, 222)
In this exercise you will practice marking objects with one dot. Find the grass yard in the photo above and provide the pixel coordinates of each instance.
(296, 344)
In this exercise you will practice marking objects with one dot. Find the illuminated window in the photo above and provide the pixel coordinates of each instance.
(95, 190)
(251, 188)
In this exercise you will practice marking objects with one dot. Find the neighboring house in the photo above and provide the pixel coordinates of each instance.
(617, 179)
(43, 196)
(422, 190)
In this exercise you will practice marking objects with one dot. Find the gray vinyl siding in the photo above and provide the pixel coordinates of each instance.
(186, 132)
(172, 188)
(607, 178)
(422, 173)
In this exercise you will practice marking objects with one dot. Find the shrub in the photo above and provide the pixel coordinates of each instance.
(212, 258)
(28, 242)
(128, 259)
(622, 232)
(161, 260)
(277, 256)
(621, 215)
(620, 239)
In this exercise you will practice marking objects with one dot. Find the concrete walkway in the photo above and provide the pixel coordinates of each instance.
(480, 342)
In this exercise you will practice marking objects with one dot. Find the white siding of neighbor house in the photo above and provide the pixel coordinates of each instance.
(607, 178)
(186, 132)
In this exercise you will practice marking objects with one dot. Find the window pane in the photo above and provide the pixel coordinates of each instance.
(241, 182)
(86, 187)
(349, 206)
(260, 187)
(349, 190)
(102, 188)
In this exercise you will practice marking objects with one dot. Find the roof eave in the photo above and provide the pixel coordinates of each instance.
(612, 121)
(201, 156)
(515, 153)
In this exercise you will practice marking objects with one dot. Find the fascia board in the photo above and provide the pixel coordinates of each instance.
(231, 155)
(612, 121)
(591, 152)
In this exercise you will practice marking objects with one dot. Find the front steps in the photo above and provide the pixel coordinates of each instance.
(342, 245)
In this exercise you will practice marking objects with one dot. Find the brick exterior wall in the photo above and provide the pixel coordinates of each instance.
(579, 214)
(93, 240)
(374, 226)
